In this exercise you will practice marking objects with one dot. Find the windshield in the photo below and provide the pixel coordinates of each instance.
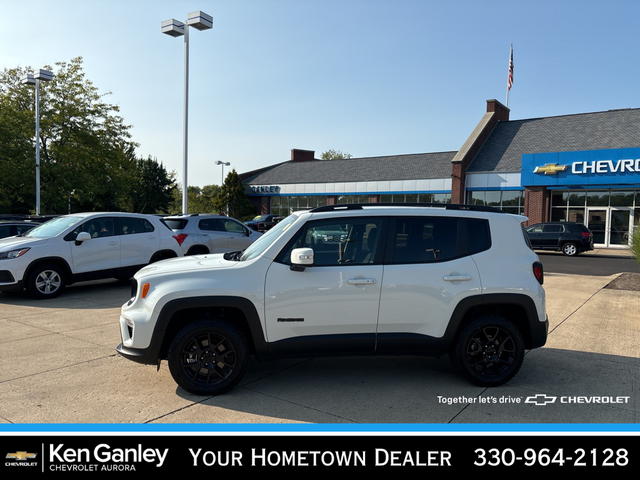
(53, 227)
(260, 245)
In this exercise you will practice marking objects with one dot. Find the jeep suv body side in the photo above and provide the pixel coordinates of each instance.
(346, 280)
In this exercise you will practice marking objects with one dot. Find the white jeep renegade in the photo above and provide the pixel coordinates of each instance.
(374, 279)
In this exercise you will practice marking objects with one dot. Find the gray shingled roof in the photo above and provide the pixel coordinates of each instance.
(502, 152)
(394, 167)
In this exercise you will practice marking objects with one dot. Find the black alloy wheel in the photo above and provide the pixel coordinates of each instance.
(208, 357)
(489, 352)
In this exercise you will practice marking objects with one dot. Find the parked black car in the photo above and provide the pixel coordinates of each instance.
(262, 223)
(568, 237)
(11, 228)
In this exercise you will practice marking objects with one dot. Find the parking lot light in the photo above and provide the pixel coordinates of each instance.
(222, 164)
(35, 78)
(174, 28)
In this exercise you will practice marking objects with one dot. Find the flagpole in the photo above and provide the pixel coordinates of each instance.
(510, 76)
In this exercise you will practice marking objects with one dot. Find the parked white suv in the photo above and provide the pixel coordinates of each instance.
(83, 246)
(346, 279)
(208, 233)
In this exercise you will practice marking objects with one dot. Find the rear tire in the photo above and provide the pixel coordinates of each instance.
(489, 351)
(570, 249)
(208, 357)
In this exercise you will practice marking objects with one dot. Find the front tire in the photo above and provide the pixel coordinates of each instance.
(46, 281)
(208, 357)
(489, 351)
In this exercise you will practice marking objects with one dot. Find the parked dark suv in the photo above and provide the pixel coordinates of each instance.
(568, 237)
(262, 223)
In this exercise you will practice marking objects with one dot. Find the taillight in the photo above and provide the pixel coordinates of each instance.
(538, 272)
(180, 238)
(586, 234)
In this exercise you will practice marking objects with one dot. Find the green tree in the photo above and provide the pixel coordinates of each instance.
(86, 150)
(335, 155)
(153, 187)
(234, 195)
(199, 200)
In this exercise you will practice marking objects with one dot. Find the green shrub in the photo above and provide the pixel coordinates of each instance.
(635, 244)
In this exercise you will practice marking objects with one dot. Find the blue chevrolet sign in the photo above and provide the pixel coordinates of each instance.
(587, 168)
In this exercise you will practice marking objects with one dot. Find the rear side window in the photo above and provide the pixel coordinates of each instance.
(553, 229)
(132, 225)
(438, 239)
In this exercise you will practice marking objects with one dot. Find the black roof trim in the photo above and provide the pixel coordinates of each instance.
(446, 206)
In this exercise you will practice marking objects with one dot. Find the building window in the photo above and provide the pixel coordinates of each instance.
(286, 205)
(510, 201)
(569, 206)
(416, 198)
(342, 199)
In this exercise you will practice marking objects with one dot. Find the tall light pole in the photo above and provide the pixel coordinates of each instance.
(34, 79)
(174, 28)
(222, 164)
(218, 162)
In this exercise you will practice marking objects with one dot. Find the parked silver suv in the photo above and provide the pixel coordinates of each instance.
(368, 279)
(206, 233)
(82, 246)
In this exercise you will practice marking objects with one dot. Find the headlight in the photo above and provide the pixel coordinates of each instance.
(14, 253)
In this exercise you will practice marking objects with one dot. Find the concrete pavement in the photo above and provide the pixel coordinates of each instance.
(58, 365)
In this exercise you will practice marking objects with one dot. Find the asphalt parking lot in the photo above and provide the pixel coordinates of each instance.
(58, 365)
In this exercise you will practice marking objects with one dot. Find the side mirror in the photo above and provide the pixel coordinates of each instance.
(82, 237)
(301, 258)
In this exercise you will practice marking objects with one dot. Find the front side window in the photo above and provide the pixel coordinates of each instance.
(210, 225)
(345, 241)
(97, 227)
(232, 226)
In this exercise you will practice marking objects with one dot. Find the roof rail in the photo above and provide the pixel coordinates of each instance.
(446, 206)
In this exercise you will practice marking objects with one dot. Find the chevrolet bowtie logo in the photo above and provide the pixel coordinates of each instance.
(21, 455)
(540, 399)
(551, 169)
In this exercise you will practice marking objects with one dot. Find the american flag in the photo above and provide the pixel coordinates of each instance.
(510, 80)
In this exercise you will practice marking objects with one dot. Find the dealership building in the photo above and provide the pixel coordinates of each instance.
(581, 168)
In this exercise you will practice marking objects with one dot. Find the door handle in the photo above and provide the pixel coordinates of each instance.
(113, 243)
(361, 281)
(456, 278)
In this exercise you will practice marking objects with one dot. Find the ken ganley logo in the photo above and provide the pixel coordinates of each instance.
(20, 459)
(103, 457)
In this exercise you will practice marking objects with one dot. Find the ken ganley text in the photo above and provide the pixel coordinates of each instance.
(260, 457)
(104, 457)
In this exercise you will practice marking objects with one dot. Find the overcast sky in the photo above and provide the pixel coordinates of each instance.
(367, 77)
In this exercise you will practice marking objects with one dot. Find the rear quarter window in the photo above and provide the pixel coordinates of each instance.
(480, 235)
(175, 223)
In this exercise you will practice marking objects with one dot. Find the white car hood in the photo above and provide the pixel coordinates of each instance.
(12, 243)
(187, 263)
